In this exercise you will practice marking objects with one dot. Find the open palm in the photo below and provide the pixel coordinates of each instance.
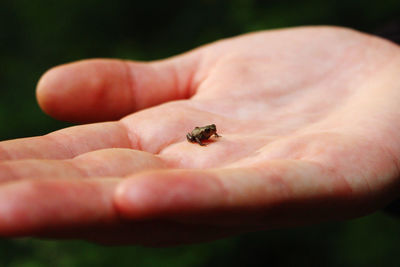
(309, 121)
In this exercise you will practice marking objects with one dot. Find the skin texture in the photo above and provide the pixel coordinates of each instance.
(309, 118)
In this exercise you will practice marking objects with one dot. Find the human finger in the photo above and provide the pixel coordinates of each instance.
(280, 193)
(70, 142)
(101, 163)
(104, 89)
(28, 207)
(84, 209)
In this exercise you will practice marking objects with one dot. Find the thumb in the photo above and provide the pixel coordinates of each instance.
(104, 89)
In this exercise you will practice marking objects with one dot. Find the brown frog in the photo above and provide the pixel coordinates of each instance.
(202, 133)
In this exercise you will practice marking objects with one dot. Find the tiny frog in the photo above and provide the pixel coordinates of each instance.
(202, 133)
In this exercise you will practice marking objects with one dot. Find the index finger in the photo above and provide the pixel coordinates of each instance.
(70, 142)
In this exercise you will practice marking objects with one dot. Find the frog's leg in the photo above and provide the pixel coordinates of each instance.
(217, 135)
(199, 141)
(190, 138)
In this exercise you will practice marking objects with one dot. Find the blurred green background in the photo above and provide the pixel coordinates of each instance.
(37, 35)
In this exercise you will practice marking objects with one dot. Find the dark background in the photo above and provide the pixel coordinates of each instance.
(37, 35)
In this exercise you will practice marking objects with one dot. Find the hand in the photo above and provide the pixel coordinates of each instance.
(309, 121)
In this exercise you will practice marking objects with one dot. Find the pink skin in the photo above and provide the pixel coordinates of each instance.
(309, 119)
